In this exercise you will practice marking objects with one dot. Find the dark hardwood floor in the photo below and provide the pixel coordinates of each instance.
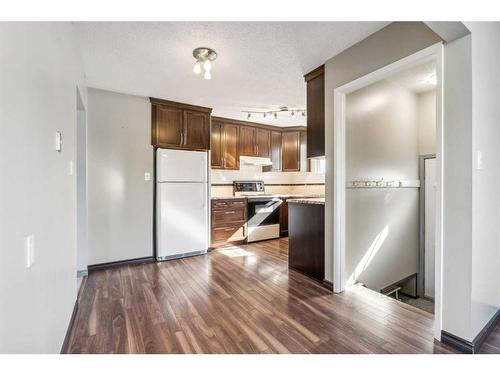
(239, 300)
(492, 343)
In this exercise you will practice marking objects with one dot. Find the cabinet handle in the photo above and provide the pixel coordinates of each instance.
(228, 229)
(224, 163)
(230, 212)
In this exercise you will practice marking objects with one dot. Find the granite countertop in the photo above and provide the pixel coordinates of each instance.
(293, 196)
(228, 197)
(307, 200)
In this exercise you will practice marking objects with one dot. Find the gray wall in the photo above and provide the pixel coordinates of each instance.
(392, 43)
(120, 201)
(382, 224)
(40, 70)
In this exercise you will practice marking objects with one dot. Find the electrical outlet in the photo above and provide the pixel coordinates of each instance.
(147, 176)
(30, 250)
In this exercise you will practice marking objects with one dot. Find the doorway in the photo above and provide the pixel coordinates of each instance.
(343, 183)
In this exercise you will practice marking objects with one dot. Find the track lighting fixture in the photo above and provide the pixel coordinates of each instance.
(274, 113)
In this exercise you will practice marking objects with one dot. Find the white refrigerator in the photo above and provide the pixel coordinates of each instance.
(182, 225)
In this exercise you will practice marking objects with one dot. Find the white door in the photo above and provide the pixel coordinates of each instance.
(182, 218)
(181, 166)
(430, 226)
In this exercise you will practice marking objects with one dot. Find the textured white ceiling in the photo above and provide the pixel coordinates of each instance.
(260, 65)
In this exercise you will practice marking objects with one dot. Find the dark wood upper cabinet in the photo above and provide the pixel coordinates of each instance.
(224, 147)
(290, 151)
(168, 123)
(216, 145)
(263, 143)
(315, 82)
(246, 141)
(196, 130)
(276, 150)
(286, 147)
(179, 125)
(230, 152)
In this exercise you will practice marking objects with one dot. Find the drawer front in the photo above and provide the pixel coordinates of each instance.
(237, 203)
(219, 204)
(228, 215)
(234, 232)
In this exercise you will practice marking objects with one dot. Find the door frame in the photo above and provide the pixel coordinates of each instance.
(421, 224)
(436, 53)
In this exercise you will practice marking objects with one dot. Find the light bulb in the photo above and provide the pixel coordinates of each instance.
(207, 75)
(293, 114)
(207, 65)
(197, 68)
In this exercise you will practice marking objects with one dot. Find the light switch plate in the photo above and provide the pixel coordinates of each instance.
(30, 250)
(71, 168)
(147, 176)
(58, 142)
(480, 162)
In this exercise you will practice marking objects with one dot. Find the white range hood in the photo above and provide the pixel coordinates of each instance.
(253, 160)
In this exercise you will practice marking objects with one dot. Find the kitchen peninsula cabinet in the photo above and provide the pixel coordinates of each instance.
(306, 236)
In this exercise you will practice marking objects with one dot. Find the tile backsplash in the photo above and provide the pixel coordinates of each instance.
(276, 182)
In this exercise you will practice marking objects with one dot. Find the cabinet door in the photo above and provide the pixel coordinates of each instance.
(291, 151)
(216, 145)
(167, 126)
(263, 143)
(276, 150)
(316, 116)
(196, 131)
(230, 154)
(247, 141)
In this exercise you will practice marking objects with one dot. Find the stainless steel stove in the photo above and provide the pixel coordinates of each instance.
(263, 210)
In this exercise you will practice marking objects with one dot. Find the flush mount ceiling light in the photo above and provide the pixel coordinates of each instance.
(204, 57)
(274, 113)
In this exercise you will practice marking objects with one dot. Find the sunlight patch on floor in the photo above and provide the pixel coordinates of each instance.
(236, 252)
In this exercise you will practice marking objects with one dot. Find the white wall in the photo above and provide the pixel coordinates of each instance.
(382, 224)
(485, 292)
(81, 187)
(39, 70)
(457, 189)
(120, 201)
(427, 123)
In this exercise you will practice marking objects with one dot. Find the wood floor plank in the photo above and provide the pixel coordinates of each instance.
(240, 300)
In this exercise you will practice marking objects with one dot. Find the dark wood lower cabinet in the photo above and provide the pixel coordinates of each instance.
(284, 219)
(306, 237)
(229, 222)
